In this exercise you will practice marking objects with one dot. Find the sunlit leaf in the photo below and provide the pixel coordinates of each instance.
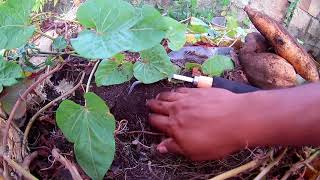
(113, 72)
(155, 65)
(118, 27)
(176, 33)
(198, 26)
(216, 65)
(15, 28)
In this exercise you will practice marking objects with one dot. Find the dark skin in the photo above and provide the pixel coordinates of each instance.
(208, 124)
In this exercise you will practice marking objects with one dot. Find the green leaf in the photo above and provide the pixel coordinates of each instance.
(10, 72)
(59, 43)
(232, 26)
(155, 65)
(118, 27)
(91, 129)
(189, 66)
(176, 33)
(113, 72)
(216, 65)
(15, 28)
(194, 4)
(198, 26)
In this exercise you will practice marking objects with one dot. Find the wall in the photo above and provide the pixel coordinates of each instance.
(305, 23)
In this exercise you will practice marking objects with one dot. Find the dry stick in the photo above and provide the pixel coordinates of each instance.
(91, 75)
(45, 35)
(34, 118)
(27, 161)
(265, 170)
(18, 168)
(72, 168)
(17, 104)
(229, 174)
(299, 165)
(144, 132)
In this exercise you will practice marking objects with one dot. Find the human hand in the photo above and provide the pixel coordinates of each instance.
(202, 124)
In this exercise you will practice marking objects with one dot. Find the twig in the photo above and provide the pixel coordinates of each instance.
(299, 165)
(34, 118)
(229, 174)
(91, 75)
(18, 168)
(45, 35)
(185, 20)
(72, 168)
(234, 42)
(17, 104)
(27, 161)
(265, 170)
(144, 132)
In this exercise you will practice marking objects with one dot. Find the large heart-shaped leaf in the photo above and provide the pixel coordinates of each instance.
(216, 65)
(118, 27)
(15, 29)
(91, 129)
(10, 72)
(111, 72)
(176, 33)
(155, 65)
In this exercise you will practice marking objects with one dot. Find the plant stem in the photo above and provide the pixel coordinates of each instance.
(91, 75)
(265, 170)
(238, 170)
(18, 168)
(72, 168)
(34, 118)
(300, 164)
(17, 104)
(44, 34)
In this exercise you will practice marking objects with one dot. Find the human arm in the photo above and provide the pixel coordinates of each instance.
(206, 124)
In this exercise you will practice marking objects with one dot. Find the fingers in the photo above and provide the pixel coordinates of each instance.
(160, 122)
(169, 146)
(183, 90)
(157, 106)
(170, 96)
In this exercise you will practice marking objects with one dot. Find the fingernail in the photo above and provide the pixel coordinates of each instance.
(157, 97)
(162, 149)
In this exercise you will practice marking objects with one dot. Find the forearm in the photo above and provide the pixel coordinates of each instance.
(285, 117)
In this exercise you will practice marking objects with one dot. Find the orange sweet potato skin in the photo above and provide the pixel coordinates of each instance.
(267, 70)
(284, 44)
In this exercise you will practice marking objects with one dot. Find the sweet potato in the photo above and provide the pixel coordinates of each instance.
(255, 42)
(267, 70)
(284, 44)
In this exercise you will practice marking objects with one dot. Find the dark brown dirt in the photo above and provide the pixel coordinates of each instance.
(136, 157)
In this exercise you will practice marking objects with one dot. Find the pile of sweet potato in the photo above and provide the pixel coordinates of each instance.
(278, 69)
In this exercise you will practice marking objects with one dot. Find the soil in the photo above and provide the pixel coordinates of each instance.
(136, 157)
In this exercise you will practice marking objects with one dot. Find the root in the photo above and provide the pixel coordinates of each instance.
(33, 119)
(14, 109)
(300, 164)
(72, 168)
(265, 170)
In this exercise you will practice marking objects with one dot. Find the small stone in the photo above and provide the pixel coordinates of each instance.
(220, 21)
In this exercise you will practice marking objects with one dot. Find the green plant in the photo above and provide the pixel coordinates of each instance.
(216, 65)
(91, 129)
(39, 4)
